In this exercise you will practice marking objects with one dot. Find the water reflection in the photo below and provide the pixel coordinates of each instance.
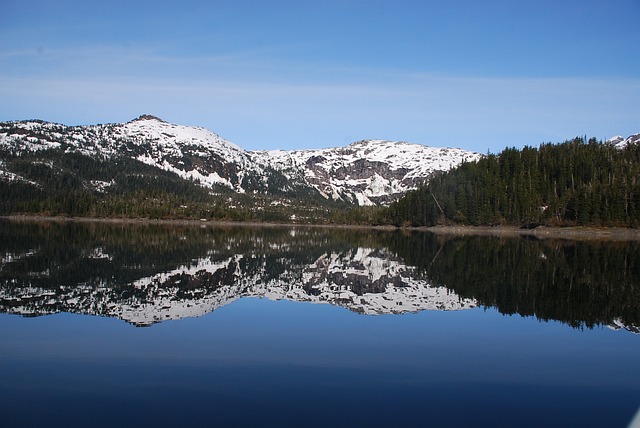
(581, 283)
(145, 274)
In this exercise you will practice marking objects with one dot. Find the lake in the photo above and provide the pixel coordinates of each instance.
(141, 324)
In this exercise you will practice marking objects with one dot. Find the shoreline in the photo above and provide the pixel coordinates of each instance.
(180, 222)
(541, 232)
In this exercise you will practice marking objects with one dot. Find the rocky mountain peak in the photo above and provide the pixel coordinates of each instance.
(148, 117)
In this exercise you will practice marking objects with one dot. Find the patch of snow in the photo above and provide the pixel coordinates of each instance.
(621, 142)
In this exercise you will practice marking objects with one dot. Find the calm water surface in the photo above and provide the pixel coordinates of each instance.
(171, 326)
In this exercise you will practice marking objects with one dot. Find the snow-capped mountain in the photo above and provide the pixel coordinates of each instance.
(191, 152)
(365, 172)
(621, 142)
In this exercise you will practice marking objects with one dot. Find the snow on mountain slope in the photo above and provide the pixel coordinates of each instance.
(30, 136)
(621, 142)
(370, 171)
(191, 152)
(365, 172)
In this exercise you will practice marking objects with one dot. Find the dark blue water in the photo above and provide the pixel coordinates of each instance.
(260, 362)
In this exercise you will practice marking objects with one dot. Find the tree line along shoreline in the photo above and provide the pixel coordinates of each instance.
(581, 183)
(542, 232)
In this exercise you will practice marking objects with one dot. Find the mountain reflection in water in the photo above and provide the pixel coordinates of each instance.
(145, 274)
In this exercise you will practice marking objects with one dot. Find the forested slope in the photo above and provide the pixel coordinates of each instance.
(577, 182)
(58, 183)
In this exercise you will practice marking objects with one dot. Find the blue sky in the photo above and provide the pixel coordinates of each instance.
(480, 75)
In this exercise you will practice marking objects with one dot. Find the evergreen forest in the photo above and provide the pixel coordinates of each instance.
(576, 183)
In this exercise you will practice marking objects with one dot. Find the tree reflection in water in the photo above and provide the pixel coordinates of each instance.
(145, 274)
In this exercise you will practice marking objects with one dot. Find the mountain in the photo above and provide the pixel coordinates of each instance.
(621, 142)
(365, 173)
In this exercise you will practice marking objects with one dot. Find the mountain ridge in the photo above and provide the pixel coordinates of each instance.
(366, 172)
(621, 142)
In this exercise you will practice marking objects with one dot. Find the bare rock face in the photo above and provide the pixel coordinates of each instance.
(148, 117)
